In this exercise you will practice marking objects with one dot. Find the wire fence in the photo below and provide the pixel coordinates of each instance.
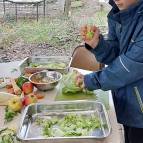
(30, 10)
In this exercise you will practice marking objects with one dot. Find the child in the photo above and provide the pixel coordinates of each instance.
(123, 53)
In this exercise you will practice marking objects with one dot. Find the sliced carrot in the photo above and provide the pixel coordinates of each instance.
(8, 86)
(10, 90)
(39, 96)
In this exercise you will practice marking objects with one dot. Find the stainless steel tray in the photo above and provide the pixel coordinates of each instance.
(25, 68)
(28, 133)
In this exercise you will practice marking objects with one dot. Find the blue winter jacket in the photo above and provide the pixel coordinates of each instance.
(123, 53)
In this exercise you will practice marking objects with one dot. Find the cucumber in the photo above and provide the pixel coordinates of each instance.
(21, 80)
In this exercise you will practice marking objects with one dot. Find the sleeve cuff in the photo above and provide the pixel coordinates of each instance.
(91, 82)
(88, 47)
(100, 44)
(98, 48)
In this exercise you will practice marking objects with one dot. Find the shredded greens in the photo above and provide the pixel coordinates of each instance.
(69, 125)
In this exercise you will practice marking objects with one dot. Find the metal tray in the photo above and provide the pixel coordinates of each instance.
(28, 133)
(24, 65)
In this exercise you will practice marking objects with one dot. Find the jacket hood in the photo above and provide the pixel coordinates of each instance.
(114, 6)
(111, 2)
(115, 9)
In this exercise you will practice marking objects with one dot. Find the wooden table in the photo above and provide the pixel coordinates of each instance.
(114, 137)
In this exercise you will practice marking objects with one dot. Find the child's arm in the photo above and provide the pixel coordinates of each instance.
(106, 50)
(124, 70)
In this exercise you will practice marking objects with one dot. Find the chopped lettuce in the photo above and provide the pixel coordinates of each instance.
(50, 65)
(69, 125)
(69, 85)
(8, 136)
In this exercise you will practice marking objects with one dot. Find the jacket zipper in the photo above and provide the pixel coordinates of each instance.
(138, 96)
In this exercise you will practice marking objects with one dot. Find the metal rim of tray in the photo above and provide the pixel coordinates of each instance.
(73, 137)
(48, 57)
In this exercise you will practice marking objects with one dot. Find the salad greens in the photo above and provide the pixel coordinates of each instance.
(69, 85)
(8, 136)
(52, 65)
(69, 125)
(9, 114)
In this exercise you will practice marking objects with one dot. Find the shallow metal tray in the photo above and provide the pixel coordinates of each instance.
(24, 65)
(28, 133)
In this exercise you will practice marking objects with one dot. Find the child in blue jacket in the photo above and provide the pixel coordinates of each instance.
(123, 53)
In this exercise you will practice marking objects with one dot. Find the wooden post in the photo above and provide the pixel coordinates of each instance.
(44, 8)
(37, 11)
(16, 11)
(67, 7)
(4, 6)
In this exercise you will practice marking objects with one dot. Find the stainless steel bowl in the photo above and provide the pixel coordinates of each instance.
(52, 75)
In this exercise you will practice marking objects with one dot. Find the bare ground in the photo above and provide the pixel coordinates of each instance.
(18, 50)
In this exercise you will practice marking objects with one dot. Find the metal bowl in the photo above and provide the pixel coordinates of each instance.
(53, 76)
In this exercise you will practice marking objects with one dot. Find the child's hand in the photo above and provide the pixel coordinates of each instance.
(80, 80)
(90, 34)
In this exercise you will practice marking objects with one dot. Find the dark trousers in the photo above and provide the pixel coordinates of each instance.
(133, 135)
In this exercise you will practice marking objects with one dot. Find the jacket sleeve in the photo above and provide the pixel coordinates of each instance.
(124, 70)
(107, 50)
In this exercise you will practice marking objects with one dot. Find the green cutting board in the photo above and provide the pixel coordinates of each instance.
(99, 95)
(77, 96)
